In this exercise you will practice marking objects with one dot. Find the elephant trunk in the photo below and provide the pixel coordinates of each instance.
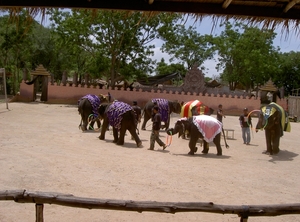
(170, 131)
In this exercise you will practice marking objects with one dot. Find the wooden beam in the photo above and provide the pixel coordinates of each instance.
(243, 211)
(290, 5)
(226, 4)
(200, 7)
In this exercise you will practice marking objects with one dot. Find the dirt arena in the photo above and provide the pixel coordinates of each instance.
(42, 149)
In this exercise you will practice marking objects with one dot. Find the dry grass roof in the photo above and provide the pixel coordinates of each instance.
(269, 14)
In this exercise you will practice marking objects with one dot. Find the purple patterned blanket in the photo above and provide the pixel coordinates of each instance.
(163, 106)
(95, 102)
(115, 113)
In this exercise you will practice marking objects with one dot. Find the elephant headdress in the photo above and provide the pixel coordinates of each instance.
(194, 106)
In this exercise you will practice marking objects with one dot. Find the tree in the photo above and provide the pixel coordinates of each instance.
(288, 74)
(71, 33)
(15, 45)
(187, 46)
(246, 55)
(111, 44)
(163, 68)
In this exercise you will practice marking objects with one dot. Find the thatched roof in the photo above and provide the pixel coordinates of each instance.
(40, 71)
(268, 13)
(269, 86)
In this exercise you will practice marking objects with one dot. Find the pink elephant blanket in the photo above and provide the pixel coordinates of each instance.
(208, 126)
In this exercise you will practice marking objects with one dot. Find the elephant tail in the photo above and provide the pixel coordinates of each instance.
(80, 106)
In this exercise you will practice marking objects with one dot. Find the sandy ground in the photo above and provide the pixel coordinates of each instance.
(42, 149)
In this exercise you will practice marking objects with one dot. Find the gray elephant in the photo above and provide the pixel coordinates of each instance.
(166, 107)
(194, 108)
(202, 126)
(274, 120)
(121, 117)
(87, 108)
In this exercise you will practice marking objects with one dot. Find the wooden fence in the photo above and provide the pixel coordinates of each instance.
(243, 211)
(294, 108)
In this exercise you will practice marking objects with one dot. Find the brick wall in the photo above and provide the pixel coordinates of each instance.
(70, 94)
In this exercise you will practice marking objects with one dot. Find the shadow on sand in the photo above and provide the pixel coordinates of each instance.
(283, 155)
(208, 155)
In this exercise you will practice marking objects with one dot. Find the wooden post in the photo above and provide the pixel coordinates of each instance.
(86, 79)
(24, 74)
(44, 94)
(39, 212)
(75, 77)
(64, 78)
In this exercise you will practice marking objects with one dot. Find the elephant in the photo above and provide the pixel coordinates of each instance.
(166, 107)
(121, 117)
(274, 120)
(87, 108)
(194, 108)
(202, 126)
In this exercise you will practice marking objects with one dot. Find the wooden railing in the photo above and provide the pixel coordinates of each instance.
(243, 211)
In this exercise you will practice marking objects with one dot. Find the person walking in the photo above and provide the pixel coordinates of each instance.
(245, 122)
(156, 125)
(220, 113)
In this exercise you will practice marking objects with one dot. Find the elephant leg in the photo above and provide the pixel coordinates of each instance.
(84, 122)
(146, 118)
(98, 123)
(121, 136)
(135, 137)
(103, 129)
(115, 135)
(205, 147)
(217, 142)
(192, 145)
(276, 140)
(268, 135)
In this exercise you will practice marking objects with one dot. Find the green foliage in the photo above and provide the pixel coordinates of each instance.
(163, 68)
(114, 45)
(246, 55)
(288, 73)
(187, 45)
(15, 45)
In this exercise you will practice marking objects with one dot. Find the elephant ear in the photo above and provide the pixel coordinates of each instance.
(101, 109)
(103, 98)
(180, 125)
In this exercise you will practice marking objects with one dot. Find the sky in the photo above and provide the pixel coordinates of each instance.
(292, 43)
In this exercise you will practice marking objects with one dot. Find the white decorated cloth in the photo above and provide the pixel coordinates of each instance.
(208, 126)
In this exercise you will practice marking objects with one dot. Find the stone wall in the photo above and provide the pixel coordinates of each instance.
(70, 94)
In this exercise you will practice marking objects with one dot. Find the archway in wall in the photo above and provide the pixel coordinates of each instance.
(40, 83)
